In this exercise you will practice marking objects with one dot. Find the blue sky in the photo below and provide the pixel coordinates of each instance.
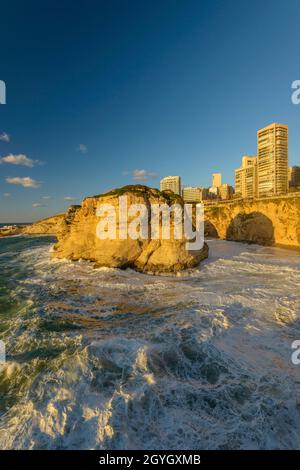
(167, 86)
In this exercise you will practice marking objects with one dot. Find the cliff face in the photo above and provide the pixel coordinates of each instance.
(78, 239)
(267, 222)
(50, 226)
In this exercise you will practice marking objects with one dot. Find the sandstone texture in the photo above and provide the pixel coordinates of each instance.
(50, 226)
(274, 221)
(78, 239)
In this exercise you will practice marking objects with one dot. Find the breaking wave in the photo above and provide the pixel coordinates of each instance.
(110, 359)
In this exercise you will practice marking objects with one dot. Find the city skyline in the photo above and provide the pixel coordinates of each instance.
(249, 163)
(163, 85)
(263, 175)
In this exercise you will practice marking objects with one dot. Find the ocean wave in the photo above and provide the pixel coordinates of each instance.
(110, 359)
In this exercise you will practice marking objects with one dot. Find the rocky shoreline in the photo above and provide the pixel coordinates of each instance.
(270, 222)
(48, 226)
(77, 237)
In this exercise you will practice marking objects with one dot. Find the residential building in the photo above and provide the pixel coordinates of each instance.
(239, 182)
(216, 180)
(251, 180)
(294, 176)
(246, 178)
(194, 194)
(272, 160)
(226, 191)
(213, 192)
(172, 183)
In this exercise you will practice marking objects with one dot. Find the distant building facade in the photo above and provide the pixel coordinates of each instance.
(213, 192)
(172, 183)
(216, 180)
(226, 191)
(245, 181)
(194, 194)
(294, 176)
(272, 160)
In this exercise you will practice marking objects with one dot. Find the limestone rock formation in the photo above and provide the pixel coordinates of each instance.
(253, 228)
(78, 239)
(273, 221)
(50, 226)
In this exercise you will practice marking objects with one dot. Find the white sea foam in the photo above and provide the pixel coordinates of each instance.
(102, 358)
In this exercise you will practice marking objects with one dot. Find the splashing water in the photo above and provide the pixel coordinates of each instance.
(110, 359)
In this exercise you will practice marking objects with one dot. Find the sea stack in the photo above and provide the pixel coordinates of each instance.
(78, 239)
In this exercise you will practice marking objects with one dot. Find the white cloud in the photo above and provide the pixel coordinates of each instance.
(69, 198)
(38, 204)
(4, 137)
(26, 181)
(6, 194)
(46, 197)
(20, 159)
(143, 175)
(82, 148)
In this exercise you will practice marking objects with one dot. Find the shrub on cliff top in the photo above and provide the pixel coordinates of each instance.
(139, 189)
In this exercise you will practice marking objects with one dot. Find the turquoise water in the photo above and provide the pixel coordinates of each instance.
(109, 359)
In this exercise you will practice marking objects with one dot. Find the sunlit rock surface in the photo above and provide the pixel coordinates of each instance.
(78, 239)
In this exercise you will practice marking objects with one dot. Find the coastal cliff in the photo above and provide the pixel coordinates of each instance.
(50, 226)
(274, 221)
(78, 239)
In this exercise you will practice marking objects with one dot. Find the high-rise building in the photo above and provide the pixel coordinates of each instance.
(172, 183)
(272, 160)
(251, 180)
(214, 190)
(294, 176)
(246, 178)
(194, 194)
(239, 182)
(216, 180)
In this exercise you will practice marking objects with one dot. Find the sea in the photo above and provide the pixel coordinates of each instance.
(111, 359)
